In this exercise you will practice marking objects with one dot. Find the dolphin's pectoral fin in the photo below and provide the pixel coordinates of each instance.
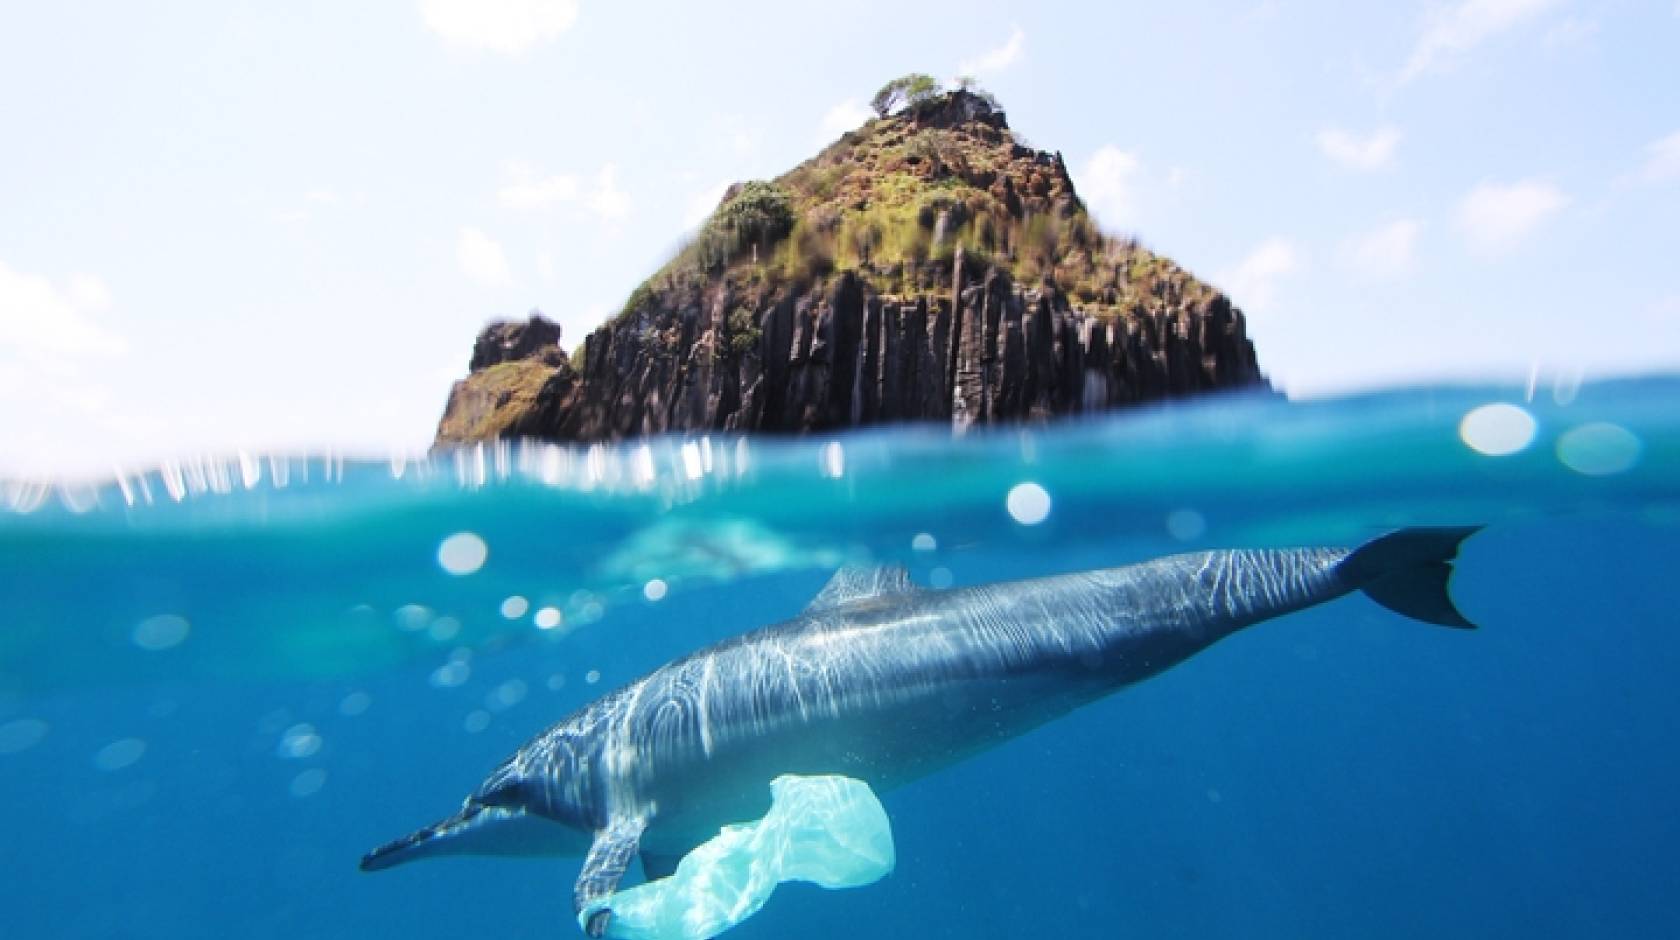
(603, 868)
(655, 865)
(855, 583)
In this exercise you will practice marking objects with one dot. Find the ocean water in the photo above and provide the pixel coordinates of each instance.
(222, 681)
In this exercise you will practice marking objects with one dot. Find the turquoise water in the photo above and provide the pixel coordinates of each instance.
(221, 681)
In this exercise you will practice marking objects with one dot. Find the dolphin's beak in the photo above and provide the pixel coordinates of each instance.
(443, 837)
(478, 829)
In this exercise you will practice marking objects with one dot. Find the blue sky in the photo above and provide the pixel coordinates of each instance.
(279, 226)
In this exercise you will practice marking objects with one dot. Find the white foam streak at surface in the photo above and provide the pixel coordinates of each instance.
(1273, 441)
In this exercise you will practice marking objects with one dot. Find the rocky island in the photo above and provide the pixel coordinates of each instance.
(928, 266)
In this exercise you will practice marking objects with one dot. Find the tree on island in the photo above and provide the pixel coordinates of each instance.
(913, 89)
(917, 89)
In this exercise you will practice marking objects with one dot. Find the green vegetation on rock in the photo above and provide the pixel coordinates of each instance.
(897, 200)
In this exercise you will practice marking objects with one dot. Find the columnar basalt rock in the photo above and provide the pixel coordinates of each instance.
(836, 354)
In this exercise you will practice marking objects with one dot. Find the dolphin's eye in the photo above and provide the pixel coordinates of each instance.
(504, 793)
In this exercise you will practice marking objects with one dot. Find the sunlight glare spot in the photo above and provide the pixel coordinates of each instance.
(654, 590)
(506, 695)
(119, 754)
(444, 629)
(162, 632)
(308, 783)
(476, 721)
(924, 542)
(548, 618)
(462, 553)
(1598, 449)
(1186, 525)
(412, 618)
(451, 674)
(1028, 503)
(356, 703)
(299, 741)
(21, 735)
(515, 607)
(592, 676)
(1498, 429)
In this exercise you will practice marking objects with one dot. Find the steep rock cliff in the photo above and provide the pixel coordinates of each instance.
(927, 267)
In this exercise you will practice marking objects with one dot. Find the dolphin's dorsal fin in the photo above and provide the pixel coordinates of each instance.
(856, 582)
(603, 868)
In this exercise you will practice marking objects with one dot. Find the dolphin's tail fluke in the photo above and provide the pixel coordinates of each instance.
(1407, 571)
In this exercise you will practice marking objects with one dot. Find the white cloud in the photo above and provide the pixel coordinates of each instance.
(526, 190)
(481, 258)
(509, 27)
(1253, 285)
(38, 318)
(1455, 31)
(997, 59)
(1386, 251)
(701, 204)
(845, 116)
(1662, 158)
(1494, 217)
(606, 199)
(1373, 151)
(1107, 182)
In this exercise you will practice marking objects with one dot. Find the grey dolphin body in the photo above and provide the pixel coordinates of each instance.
(885, 682)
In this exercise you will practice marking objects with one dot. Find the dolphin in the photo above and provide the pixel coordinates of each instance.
(885, 682)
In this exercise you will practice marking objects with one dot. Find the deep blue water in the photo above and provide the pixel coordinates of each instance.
(222, 681)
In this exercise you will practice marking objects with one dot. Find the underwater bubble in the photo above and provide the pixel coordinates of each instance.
(462, 553)
(1186, 525)
(162, 632)
(556, 682)
(940, 578)
(1028, 503)
(592, 676)
(444, 629)
(451, 674)
(354, 704)
(1497, 430)
(1598, 449)
(21, 735)
(515, 607)
(654, 590)
(119, 754)
(308, 782)
(924, 542)
(476, 721)
(412, 618)
(299, 741)
(591, 611)
(273, 721)
(547, 619)
(506, 695)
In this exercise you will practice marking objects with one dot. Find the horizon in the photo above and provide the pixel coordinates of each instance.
(216, 249)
